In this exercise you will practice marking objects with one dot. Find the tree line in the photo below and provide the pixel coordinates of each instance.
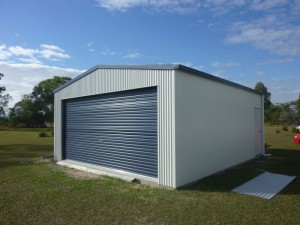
(287, 113)
(36, 109)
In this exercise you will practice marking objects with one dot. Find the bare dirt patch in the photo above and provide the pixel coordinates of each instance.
(78, 174)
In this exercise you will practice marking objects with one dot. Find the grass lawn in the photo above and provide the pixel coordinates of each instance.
(35, 192)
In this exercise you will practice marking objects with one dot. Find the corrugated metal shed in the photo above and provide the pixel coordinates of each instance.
(188, 106)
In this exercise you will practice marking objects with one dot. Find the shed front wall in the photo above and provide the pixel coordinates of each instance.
(103, 81)
(214, 126)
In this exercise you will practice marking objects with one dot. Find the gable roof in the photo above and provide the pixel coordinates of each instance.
(178, 67)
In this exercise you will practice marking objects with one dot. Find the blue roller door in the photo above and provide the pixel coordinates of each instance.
(116, 130)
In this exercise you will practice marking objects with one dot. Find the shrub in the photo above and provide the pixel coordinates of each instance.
(284, 128)
(42, 134)
(277, 131)
(294, 130)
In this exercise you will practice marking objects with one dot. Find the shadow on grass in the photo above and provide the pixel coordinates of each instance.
(18, 155)
(282, 161)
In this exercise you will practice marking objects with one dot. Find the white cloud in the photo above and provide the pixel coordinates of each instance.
(269, 25)
(218, 64)
(132, 55)
(121, 5)
(126, 55)
(226, 2)
(108, 52)
(89, 46)
(276, 61)
(270, 33)
(30, 60)
(295, 10)
(52, 54)
(52, 47)
(220, 7)
(20, 78)
(4, 54)
(263, 5)
(179, 6)
(172, 6)
(19, 53)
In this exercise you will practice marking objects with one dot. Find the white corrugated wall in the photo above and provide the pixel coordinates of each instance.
(111, 80)
(214, 126)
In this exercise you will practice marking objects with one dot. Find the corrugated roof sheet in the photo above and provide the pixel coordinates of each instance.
(159, 67)
(266, 185)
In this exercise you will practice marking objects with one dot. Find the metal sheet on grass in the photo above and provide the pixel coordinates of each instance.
(266, 185)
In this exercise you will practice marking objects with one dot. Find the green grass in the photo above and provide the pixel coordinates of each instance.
(25, 138)
(282, 140)
(32, 192)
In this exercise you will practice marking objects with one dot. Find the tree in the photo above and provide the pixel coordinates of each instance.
(4, 100)
(26, 113)
(298, 109)
(2, 89)
(272, 114)
(260, 87)
(37, 107)
(43, 96)
(288, 113)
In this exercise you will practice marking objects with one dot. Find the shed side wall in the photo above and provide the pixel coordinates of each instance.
(112, 80)
(214, 126)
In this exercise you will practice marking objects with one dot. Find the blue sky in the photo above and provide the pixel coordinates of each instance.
(244, 41)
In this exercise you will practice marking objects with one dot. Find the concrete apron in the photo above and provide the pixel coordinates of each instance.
(129, 177)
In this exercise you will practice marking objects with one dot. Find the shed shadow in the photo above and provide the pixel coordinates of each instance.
(281, 161)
